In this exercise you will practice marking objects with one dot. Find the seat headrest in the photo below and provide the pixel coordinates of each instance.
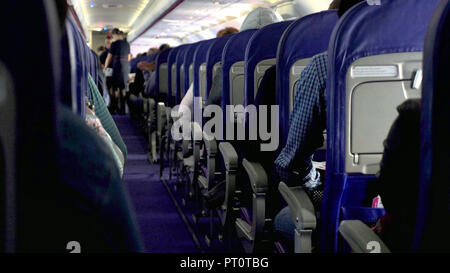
(214, 55)
(262, 46)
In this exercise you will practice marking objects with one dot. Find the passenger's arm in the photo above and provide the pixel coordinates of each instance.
(129, 57)
(307, 123)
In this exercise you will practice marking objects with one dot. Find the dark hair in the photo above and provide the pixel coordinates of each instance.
(345, 5)
(115, 31)
(335, 4)
(226, 31)
(164, 47)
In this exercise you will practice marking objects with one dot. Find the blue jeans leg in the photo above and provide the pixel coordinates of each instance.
(284, 224)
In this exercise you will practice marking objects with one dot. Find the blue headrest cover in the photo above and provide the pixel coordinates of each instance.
(171, 59)
(188, 60)
(233, 52)
(160, 59)
(80, 59)
(214, 55)
(180, 62)
(200, 56)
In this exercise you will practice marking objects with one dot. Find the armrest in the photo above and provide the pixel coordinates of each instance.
(210, 144)
(229, 155)
(302, 209)
(361, 238)
(257, 175)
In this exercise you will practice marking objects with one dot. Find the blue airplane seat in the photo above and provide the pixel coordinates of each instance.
(233, 58)
(260, 55)
(95, 66)
(213, 59)
(298, 42)
(369, 46)
(171, 79)
(200, 58)
(188, 64)
(76, 47)
(180, 87)
(431, 234)
(161, 76)
(68, 76)
(302, 40)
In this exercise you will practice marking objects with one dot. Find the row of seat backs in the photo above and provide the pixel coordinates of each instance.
(372, 66)
(433, 205)
(83, 61)
(134, 62)
(366, 57)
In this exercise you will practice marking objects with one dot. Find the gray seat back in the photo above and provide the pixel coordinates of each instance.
(163, 76)
(375, 86)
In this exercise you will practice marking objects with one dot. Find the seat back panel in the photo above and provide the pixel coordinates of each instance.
(376, 86)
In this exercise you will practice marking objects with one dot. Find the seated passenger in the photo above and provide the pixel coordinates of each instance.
(101, 111)
(307, 124)
(93, 205)
(94, 122)
(256, 19)
(104, 53)
(188, 99)
(398, 179)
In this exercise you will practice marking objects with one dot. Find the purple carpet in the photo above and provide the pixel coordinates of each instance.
(161, 227)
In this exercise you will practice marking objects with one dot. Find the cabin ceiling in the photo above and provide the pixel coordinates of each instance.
(190, 21)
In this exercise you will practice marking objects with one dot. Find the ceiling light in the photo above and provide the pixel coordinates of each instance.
(139, 11)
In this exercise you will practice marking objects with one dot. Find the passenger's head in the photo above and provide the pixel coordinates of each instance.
(345, 5)
(226, 31)
(100, 49)
(260, 17)
(334, 5)
(151, 51)
(116, 34)
(164, 47)
(108, 42)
